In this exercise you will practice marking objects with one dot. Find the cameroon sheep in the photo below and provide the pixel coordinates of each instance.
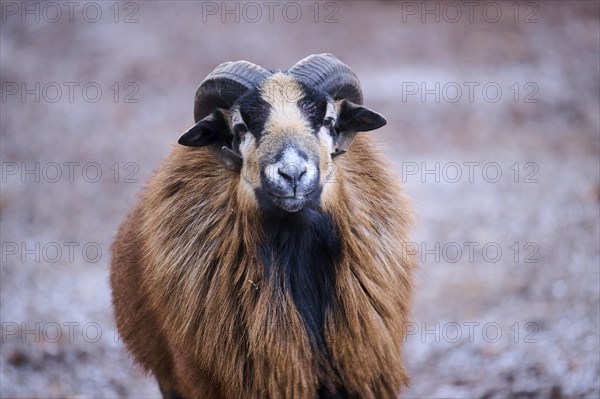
(265, 256)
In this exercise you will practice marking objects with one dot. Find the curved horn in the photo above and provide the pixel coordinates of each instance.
(329, 74)
(226, 84)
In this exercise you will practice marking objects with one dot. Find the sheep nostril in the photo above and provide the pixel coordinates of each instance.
(302, 173)
(284, 174)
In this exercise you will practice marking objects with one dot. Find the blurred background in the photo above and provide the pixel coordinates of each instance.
(493, 127)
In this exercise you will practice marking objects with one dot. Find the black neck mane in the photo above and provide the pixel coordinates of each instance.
(300, 252)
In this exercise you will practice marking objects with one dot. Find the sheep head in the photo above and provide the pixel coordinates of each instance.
(281, 130)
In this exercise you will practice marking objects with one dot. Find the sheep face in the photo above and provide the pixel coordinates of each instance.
(281, 136)
(284, 132)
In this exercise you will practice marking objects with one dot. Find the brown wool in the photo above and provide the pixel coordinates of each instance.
(195, 308)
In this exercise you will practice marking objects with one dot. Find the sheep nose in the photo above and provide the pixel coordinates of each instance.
(292, 175)
(292, 171)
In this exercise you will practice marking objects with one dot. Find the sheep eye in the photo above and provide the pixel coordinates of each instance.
(328, 122)
(240, 129)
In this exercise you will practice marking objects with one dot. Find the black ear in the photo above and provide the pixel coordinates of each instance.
(207, 131)
(351, 119)
(213, 131)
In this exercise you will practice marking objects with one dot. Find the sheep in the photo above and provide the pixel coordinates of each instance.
(265, 257)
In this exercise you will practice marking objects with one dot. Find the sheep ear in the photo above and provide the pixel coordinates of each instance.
(353, 118)
(213, 131)
(207, 131)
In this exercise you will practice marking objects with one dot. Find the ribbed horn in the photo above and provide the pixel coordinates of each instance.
(226, 84)
(329, 74)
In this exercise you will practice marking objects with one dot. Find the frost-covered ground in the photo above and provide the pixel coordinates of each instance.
(507, 303)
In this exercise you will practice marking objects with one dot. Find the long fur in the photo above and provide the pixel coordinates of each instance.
(207, 298)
